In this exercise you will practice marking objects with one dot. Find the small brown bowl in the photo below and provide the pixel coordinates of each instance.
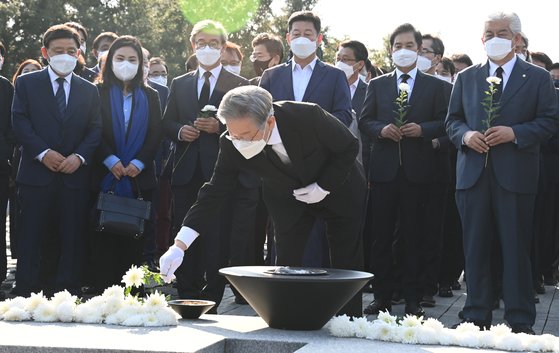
(191, 308)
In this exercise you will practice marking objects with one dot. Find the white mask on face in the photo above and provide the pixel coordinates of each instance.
(444, 78)
(124, 70)
(236, 69)
(347, 69)
(521, 56)
(208, 56)
(497, 48)
(404, 57)
(1, 62)
(423, 64)
(63, 64)
(101, 53)
(162, 80)
(303, 47)
(249, 149)
(363, 78)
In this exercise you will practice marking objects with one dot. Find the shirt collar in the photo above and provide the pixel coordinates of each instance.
(507, 67)
(295, 66)
(54, 76)
(275, 137)
(215, 71)
(412, 73)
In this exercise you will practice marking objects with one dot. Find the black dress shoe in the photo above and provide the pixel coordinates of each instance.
(428, 301)
(414, 308)
(445, 292)
(527, 329)
(376, 306)
(456, 286)
(481, 324)
(549, 281)
(397, 298)
(539, 288)
(536, 298)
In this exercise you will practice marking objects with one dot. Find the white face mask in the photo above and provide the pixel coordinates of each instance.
(63, 64)
(363, 78)
(249, 149)
(423, 64)
(124, 70)
(234, 69)
(444, 78)
(101, 53)
(162, 80)
(303, 47)
(522, 56)
(497, 48)
(1, 62)
(404, 57)
(208, 56)
(347, 69)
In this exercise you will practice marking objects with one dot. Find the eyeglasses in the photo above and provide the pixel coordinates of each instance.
(427, 51)
(231, 138)
(212, 44)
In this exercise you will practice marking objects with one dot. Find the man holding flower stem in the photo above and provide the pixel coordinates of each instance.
(495, 193)
(403, 112)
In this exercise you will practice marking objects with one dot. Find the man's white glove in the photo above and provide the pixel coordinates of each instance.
(169, 262)
(312, 193)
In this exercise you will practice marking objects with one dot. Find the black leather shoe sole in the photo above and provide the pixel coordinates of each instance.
(523, 329)
(375, 307)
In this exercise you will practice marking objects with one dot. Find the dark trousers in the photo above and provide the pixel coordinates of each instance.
(4, 193)
(487, 210)
(163, 217)
(546, 231)
(344, 239)
(198, 276)
(53, 217)
(263, 233)
(452, 262)
(391, 201)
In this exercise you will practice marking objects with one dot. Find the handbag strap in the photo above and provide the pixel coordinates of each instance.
(113, 185)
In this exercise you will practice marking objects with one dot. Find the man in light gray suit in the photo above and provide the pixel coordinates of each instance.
(497, 170)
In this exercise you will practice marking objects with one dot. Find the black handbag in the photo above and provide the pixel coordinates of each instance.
(122, 215)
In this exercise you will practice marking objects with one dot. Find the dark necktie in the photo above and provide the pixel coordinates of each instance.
(61, 96)
(205, 93)
(405, 78)
(499, 74)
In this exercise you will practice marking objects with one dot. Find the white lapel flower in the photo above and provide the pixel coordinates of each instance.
(493, 80)
(134, 277)
(404, 87)
(16, 314)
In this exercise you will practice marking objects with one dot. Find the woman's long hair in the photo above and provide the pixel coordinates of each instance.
(107, 75)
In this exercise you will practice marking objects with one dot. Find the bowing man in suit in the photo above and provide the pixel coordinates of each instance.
(57, 122)
(197, 146)
(401, 167)
(497, 169)
(306, 160)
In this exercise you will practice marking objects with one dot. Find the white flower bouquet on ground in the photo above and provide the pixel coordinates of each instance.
(116, 306)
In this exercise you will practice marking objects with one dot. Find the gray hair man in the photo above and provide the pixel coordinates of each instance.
(307, 161)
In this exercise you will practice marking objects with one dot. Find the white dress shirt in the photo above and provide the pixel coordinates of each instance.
(301, 77)
(353, 87)
(507, 70)
(410, 81)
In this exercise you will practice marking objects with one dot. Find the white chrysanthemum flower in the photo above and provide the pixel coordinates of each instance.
(113, 291)
(150, 320)
(16, 314)
(486, 339)
(154, 302)
(18, 302)
(88, 313)
(385, 317)
(404, 87)
(467, 327)
(65, 311)
(386, 332)
(35, 300)
(134, 277)
(131, 300)
(448, 337)
(341, 326)
(509, 342)
(167, 317)
(411, 321)
(45, 312)
(360, 325)
(135, 320)
(468, 338)
(434, 324)
(500, 330)
(209, 108)
(4, 306)
(427, 335)
(494, 80)
(549, 342)
(112, 305)
(112, 319)
(128, 311)
(63, 296)
(407, 334)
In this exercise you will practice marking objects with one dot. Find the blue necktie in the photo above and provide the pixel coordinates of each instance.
(61, 96)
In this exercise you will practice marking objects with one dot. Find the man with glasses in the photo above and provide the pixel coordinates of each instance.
(196, 138)
(306, 159)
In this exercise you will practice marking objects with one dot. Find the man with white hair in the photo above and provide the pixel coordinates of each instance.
(497, 168)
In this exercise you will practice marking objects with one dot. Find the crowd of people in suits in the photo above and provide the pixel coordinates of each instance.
(397, 173)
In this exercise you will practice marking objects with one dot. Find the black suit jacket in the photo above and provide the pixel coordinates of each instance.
(357, 105)
(427, 108)
(38, 126)
(147, 178)
(321, 150)
(6, 132)
(182, 108)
